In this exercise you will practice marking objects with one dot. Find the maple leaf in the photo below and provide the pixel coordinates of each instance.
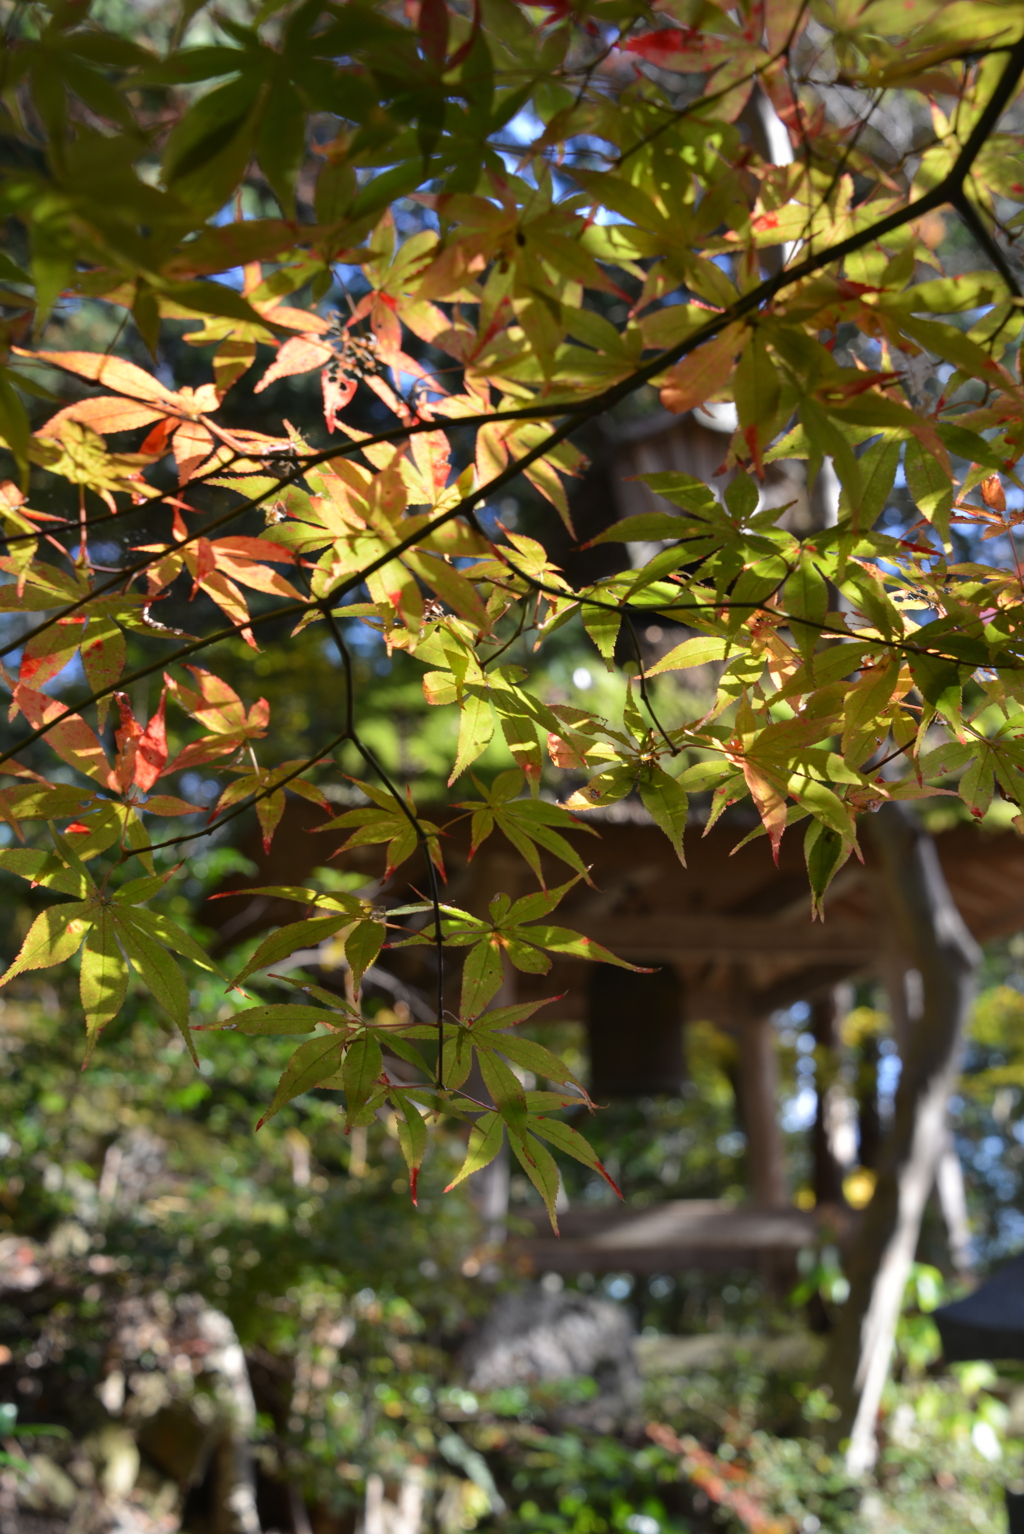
(68, 734)
(141, 753)
(219, 709)
(703, 373)
(177, 417)
(299, 354)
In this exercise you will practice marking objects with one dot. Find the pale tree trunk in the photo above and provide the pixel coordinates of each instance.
(234, 1473)
(402, 1517)
(938, 946)
(298, 1511)
(949, 1185)
(906, 1000)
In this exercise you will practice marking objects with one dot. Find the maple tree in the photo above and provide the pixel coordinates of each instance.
(504, 179)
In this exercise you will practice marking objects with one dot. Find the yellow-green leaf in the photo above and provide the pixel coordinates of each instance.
(103, 979)
(54, 936)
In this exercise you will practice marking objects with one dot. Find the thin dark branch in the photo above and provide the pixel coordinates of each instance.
(642, 683)
(246, 804)
(972, 218)
(748, 303)
(943, 192)
(422, 838)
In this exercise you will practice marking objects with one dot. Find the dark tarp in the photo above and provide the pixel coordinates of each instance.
(989, 1323)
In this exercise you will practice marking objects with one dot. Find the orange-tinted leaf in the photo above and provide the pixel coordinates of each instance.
(232, 358)
(169, 804)
(193, 444)
(126, 739)
(299, 354)
(69, 735)
(104, 650)
(338, 390)
(770, 804)
(703, 372)
(46, 654)
(688, 48)
(157, 440)
(108, 413)
(249, 550)
(216, 705)
(101, 368)
(151, 755)
(992, 492)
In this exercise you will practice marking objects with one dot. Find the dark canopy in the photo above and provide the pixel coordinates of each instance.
(990, 1322)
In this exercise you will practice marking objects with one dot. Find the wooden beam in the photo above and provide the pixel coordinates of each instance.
(809, 984)
(735, 938)
(669, 1237)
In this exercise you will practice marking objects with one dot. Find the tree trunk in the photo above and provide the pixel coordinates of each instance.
(937, 944)
(905, 987)
(234, 1472)
(949, 1185)
(402, 1517)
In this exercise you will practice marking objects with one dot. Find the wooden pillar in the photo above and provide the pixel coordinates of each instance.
(635, 1032)
(759, 1108)
(869, 1120)
(828, 1171)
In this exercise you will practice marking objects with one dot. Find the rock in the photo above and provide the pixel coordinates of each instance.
(181, 1414)
(536, 1335)
(48, 1488)
(119, 1456)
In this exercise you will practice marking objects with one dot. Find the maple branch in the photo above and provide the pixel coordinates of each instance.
(253, 619)
(642, 683)
(972, 218)
(945, 191)
(245, 804)
(422, 838)
(229, 632)
(435, 893)
(660, 609)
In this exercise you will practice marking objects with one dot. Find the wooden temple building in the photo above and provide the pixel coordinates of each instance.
(731, 940)
(730, 936)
